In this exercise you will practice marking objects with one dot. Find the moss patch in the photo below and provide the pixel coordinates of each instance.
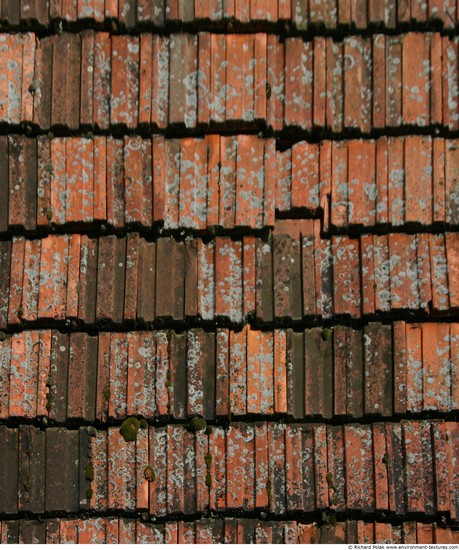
(208, 480)
(198, 424)
(143, 424)
(89, 493)
(149, 474)
(129, 429)
(326, 334)
(89, 472)
(208, 460)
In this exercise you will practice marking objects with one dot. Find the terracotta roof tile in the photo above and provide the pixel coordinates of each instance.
(144, 373)
(231, 530)
(244, 100)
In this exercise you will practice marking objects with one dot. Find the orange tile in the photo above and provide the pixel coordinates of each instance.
(121, 468)
(393, 81)
(320, 466)
(31, 276)
(175, 470)
(228, 279)
(217, 87)
(183, 95)
(145, 78)
(91, 531)
(79, 184)
(439, 273)
(141, 462)
(235, 468)
(217, 449)
(102, 80)
(450, 72)
(298, 83)
(87, 76)
(346, 276)
(442, 470)
(305, 176)
(239, 96)
(118, 376)
(158, 458)
(140, 396)
(294, 470)
(379, 454)
(379, 78)
(400, 367)
(260, 73)
(414, 468)
(16, 280)
(125, 81)
(339, 185)
(275, 82)
(238, 372)
(359, 468)
(193, 184)
(415, 104)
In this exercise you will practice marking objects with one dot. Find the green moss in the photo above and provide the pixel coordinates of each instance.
(168, 384)
(28, 481)
(49, 214)
(329, 479)
(2, 336)
(90, 472)
(89, 493)
(208, 460)
(129, 429)
(208, 430)
(169, 336)
(208, 480)
(198, 424)
(107, 393)
(143, 424)
(385, 459)
(268, 90)
(329, 518)
(268, 489)
(230, 416)
(49, 402)
(92, 432)
(20, 312)
(326, 334)
(149, 474)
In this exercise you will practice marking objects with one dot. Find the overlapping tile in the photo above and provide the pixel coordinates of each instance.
(227, 183)
(380, 370)
(328, 14)
(356, 468)
(53, 100)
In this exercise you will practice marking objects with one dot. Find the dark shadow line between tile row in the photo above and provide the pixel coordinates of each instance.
(285, 28)
(285, 138)
(320, 516)
(43, 423)
(70, 326)
(97, 229)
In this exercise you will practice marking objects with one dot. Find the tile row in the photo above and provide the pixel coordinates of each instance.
(226, 182)
(393, 181)
(180, 183)
(404, 468)
(328, 14)
(113, 530)
(381, 370)
(290, 275)
(94, 80)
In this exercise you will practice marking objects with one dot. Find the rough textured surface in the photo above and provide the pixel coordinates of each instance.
(228, 271)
